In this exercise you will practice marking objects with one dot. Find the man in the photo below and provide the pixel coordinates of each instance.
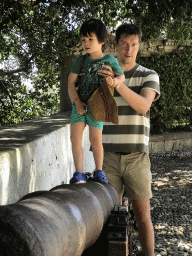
(126, 146)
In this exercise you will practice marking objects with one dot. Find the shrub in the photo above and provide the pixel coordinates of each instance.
(174, 108)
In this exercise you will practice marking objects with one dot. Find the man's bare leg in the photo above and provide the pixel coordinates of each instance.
(142, 213)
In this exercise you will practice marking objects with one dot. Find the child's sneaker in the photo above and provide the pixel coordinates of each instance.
(78, 177)
(99, 176)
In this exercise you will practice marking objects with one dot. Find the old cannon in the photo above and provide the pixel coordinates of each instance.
(63, 221)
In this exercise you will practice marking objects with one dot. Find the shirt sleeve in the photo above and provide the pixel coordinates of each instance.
(152, 82)
(113, 62)
(78, 65)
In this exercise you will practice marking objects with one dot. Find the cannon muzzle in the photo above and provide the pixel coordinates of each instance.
(61, 222)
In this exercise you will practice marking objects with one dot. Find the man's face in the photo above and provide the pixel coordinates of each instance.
(127, 49)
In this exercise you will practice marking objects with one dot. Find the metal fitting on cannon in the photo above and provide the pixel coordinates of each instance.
(118, 231)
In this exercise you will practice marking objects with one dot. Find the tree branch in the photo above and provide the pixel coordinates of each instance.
(9, 73)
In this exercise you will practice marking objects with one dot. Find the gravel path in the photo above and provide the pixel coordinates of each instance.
(171, 205)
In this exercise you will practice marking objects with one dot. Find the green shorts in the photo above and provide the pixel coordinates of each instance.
(85, 118)
(129, 173)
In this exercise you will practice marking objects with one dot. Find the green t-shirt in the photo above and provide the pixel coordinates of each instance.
(89, 82)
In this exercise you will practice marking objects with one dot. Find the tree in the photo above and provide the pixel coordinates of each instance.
(41, 33)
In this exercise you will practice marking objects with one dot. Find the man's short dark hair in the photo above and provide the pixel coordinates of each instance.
(94, 26)
(129, 29)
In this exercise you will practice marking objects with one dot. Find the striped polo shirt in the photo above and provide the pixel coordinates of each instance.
(132, 133)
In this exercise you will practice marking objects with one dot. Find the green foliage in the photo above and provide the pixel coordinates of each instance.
(156, 18)
(174, 108)
(18, 105)
(42, 33)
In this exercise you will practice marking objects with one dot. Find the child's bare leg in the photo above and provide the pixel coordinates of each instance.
(76, 139)
(95, 136)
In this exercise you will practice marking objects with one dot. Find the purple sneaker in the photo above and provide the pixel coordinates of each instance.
(78, 177)
(99, 176)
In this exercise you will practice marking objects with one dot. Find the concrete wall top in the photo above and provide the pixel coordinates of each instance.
(170, 136)
(16, 135)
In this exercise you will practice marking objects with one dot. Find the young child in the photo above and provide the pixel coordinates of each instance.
(93, 37)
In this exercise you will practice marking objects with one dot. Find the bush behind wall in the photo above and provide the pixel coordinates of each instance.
(173, 111)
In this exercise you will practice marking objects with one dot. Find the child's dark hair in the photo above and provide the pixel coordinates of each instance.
(94, 26)
(129, 29)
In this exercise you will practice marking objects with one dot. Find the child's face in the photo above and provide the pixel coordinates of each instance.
(91, 44)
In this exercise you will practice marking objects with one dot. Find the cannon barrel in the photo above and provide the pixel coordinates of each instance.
(63, 221)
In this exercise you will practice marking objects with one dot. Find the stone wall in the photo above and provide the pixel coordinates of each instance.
(36, 155)
(168, 142)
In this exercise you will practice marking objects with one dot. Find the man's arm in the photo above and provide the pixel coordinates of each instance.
(140, 102)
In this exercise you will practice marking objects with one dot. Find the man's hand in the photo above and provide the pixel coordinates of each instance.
(80, 106)
(105, 73)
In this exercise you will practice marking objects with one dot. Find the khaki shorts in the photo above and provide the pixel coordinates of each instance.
(130, 173)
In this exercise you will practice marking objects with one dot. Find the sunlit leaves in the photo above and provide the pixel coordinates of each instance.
(43, 33)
